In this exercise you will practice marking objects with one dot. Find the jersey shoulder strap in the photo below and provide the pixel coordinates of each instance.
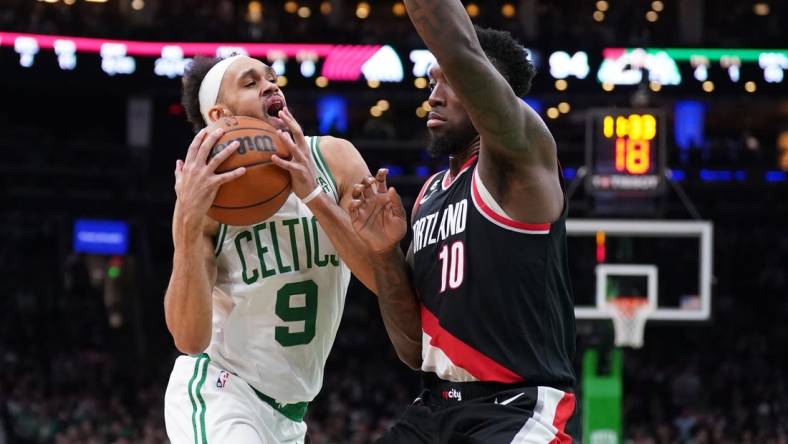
(324, 176)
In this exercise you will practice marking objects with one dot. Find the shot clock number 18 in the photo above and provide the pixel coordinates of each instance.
(625, 151)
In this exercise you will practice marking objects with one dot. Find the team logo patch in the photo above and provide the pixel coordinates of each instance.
(452, 394)
(433, 188)
(222, 379)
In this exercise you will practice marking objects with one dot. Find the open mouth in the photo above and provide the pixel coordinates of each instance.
(273, 106)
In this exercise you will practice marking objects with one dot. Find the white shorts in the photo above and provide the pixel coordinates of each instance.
(205, 404)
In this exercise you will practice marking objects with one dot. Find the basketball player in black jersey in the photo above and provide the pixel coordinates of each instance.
(488, 314)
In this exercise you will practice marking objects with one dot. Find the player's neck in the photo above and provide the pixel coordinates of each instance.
(456, 161)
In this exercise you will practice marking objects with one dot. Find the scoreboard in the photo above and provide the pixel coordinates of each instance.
(625, 152)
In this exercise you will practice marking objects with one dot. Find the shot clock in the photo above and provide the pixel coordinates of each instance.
(625, 152)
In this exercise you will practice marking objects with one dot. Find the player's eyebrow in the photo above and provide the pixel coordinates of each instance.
(251, 72)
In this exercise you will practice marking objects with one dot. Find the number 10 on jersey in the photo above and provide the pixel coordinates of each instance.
(452, 265)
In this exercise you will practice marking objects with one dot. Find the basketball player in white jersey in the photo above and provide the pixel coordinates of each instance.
(255, 309)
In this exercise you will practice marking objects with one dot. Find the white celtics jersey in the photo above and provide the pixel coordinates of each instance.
(288, 285)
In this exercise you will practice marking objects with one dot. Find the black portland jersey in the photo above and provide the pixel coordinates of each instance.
(496, 301)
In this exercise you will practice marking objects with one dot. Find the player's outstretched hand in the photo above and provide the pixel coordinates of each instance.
(196, 181)
(300, 165)
(377, 213)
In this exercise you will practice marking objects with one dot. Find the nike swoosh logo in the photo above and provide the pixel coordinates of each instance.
(510, 400)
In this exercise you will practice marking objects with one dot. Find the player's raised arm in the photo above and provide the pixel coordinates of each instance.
(497, 113)
(487, 73)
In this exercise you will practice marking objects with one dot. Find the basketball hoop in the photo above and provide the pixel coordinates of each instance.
(629, 316)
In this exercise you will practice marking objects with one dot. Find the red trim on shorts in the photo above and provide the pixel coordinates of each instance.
(479, 365)
(501, 219)
(566, 406)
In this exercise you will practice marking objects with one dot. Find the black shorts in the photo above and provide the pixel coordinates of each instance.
(489, 413)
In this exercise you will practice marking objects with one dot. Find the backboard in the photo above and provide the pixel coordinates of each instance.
(668, 263)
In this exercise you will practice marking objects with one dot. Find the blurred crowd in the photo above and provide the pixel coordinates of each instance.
(70, 376)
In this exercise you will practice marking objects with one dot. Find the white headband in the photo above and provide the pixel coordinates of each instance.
(209, 88)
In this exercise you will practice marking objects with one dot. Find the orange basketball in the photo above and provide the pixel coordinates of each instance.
(265, 187)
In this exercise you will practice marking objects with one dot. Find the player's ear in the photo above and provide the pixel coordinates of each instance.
(217, 112)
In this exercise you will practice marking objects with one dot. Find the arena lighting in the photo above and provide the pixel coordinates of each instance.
(304, 12)
(473, 9)
(362, 10)
(602, 5)
(623, 66)
(101, 236)
(561, 85)
(761, 8)
(321, 82)
(332, 112)
(708, 86)
(722, 175)
(562, 65)
(750, 87)
(384, 105)
(652, 16)
(254, 11)
(598, 16)
(688, 127)
(508, 10)
(420, 83)
(657, 5)
(553, 112)
(775, 176)
(398, 9)
(341, 62)
(677, 175)
(291, 7)
(564, 107)
(326, 8)
(137, 5)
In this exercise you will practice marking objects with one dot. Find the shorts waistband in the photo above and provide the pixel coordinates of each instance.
(295, 412)
(461, 391)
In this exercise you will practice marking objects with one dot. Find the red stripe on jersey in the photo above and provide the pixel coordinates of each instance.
(566, 406)
(463, 355)
(489, 212)
(463, 169)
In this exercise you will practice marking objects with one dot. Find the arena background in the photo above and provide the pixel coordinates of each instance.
(90, 129)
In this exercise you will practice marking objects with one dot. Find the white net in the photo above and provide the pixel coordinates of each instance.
(629, 320)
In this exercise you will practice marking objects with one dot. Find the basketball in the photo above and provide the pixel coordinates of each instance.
(262, 190)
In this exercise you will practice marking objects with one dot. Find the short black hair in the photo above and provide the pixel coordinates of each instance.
(509, 57)
(190, 91)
